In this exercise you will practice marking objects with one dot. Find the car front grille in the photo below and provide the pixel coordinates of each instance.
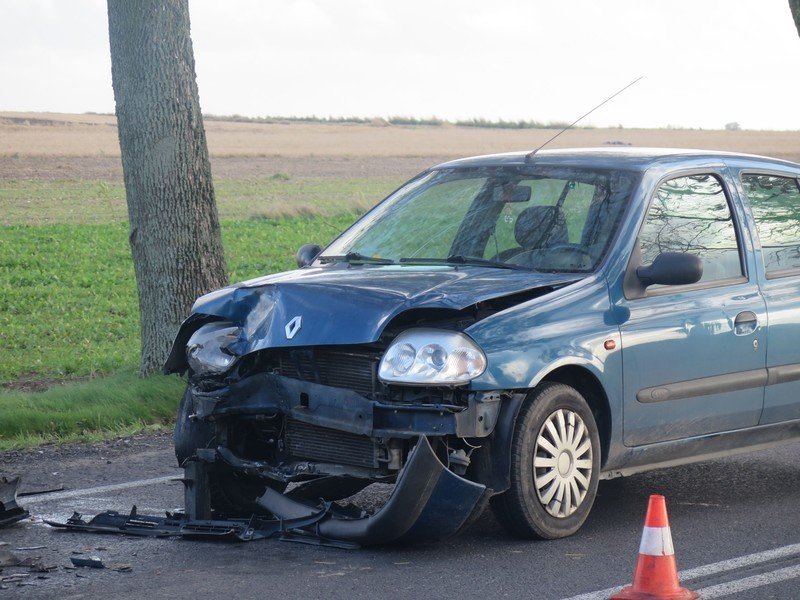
(322, 444)
(352, 370)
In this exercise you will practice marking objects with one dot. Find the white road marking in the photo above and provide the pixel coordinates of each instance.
(714, 568)
(748, 583)
(30, 500)
(742, 561)
(715, 591)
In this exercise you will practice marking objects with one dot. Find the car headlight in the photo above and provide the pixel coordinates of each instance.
(432, 357)
(207, 352)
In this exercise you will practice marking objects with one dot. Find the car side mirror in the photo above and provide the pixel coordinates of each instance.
(671, 268)
(306, 254)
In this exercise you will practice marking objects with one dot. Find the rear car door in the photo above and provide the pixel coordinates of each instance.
(775, 206)
(693, 357)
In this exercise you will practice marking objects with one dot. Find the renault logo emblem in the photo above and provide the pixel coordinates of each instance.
(293, 326)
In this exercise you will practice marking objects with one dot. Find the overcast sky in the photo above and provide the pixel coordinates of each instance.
(705, 62)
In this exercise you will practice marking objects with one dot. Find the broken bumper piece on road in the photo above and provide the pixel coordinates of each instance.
(10, 511)
(429, 503)
(179, 525)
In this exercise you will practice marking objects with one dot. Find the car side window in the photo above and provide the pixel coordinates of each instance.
(692, 214)
(775, 202)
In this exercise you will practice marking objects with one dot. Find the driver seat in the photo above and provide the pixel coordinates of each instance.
(538, 228)
(541, 227)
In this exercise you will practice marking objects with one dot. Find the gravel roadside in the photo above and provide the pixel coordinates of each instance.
(78, 465)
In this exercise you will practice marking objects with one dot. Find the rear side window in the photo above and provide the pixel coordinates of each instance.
(775, 202)
(692, 215)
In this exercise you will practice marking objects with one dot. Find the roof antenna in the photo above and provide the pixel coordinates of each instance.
(530, 155)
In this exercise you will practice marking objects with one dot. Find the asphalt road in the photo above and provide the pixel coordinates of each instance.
(735, 526)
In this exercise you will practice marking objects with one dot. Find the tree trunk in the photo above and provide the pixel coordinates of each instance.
(794, 6)
(174, 225)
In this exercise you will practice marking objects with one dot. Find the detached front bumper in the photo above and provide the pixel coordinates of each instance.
(345, 410)
(429, 503)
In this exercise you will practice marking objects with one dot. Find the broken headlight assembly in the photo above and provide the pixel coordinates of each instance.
(432, 357)
(207, 350)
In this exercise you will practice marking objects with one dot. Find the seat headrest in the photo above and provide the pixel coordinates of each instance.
(540, 227)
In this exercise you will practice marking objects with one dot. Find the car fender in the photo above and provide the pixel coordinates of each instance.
(575, 326)
(492, 466)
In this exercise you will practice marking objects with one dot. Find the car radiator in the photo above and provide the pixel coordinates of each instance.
(355, 371)
(322, 444)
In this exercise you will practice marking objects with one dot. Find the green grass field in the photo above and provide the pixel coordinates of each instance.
(81, 202)
(68, 295)
(68, 306)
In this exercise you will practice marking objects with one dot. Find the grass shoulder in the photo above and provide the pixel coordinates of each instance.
(120, 404)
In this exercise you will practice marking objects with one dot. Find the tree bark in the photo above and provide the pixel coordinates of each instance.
(174, 225)
(794, 6)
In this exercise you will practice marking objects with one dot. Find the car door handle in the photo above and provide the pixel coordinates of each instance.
(745, 323)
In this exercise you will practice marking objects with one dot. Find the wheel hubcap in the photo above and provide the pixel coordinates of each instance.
(562, 463)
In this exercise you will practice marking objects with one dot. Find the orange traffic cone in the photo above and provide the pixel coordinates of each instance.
(656, 573)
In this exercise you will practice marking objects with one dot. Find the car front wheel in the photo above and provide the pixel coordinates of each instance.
(555, 464)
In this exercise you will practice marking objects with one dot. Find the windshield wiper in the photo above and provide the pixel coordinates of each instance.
(460, 259)
(356, 257)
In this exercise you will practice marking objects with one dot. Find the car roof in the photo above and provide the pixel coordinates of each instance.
(633, 158)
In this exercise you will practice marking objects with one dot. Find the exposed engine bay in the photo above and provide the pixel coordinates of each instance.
(305, 412)
(323, 420)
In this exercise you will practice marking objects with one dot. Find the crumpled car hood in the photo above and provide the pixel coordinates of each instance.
(341, 305)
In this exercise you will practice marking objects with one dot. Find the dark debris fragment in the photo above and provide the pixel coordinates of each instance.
(10, 511)
(93, 562)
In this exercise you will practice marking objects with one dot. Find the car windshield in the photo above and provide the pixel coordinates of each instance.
(541, 218)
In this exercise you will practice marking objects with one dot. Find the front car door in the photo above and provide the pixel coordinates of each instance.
(693, 357)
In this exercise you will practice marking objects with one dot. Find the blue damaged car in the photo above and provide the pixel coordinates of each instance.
(504, 330)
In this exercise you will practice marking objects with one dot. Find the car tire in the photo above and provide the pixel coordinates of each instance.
(190, 435)
(232, 494)
(555, 458)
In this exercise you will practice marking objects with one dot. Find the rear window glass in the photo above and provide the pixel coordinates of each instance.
(775, 202)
